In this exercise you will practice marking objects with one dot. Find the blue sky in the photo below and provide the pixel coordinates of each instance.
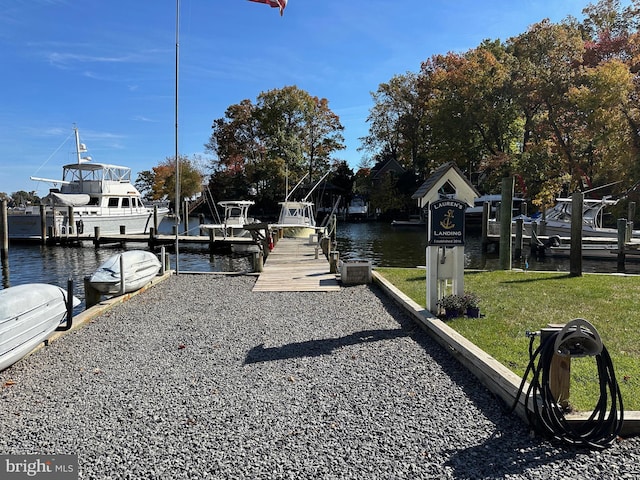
(108, 66)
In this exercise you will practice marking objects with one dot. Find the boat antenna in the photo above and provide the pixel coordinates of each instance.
(297, 185)
(314, 187)
(177, 202)
(601, 186)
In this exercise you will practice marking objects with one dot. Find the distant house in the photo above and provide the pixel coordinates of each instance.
(386, 167)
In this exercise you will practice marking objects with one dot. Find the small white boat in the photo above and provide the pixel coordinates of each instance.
(236, 216)
(29, 314)
(138, 268)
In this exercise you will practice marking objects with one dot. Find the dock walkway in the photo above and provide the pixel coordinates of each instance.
(292, 266)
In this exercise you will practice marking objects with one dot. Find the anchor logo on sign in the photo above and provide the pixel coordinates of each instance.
(447, 224)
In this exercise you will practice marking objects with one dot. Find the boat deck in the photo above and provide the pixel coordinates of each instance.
(292, 266)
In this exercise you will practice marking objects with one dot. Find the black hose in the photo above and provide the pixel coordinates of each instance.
(546, 416)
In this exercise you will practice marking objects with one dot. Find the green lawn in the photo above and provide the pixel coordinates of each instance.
(513, 302)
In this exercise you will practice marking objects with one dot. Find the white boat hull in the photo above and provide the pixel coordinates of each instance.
(602, 252)
(139, 267)
(29, 314)
(26, 226)
(296, 231)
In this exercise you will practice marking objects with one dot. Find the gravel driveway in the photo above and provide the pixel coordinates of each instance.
(199, 377)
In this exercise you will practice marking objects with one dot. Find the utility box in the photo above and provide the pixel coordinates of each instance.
(356, 272)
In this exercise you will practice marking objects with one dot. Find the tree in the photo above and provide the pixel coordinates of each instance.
(22, 198)
(164, 184)
(397, 127)
(144, 184)
(286, 134)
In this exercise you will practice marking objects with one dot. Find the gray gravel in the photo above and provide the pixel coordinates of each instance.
(200, 378)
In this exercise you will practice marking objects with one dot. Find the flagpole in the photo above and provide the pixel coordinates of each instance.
(177, 202)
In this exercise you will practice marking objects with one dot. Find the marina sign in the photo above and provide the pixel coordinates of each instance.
(446, 218)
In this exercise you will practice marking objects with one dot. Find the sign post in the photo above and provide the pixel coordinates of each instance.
(445, 250)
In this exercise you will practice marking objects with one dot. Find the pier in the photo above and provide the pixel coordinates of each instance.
(296, 265)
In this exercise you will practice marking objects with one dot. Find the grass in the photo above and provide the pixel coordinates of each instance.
(514, 302)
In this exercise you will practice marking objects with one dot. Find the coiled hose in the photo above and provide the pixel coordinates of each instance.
(546, 416)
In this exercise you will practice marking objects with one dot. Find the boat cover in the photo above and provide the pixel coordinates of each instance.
(67, 199)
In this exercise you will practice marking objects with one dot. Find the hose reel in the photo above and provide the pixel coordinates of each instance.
(578, 338)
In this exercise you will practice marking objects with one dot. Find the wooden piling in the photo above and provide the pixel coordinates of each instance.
(43, 225)
(622, 233)
(559, 370)
(506, 209)
(155, 217)
(534, 243)
(334, 259)
(70, 221)
(4, 231)
(518, 241)
(484, 239)
(575, 254)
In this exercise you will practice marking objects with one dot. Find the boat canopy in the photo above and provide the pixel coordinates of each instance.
(80, 172)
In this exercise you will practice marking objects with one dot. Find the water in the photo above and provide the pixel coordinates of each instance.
(384, 245)
(388, 246)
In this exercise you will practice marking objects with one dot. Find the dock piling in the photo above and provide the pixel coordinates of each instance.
(4, 227)
(43, 225)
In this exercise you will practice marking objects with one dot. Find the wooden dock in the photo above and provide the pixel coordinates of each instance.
(292, 266)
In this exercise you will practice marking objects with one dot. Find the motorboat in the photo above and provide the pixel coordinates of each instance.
(125, 272)
(29, 315)
(474, 214)
(89, 195)
(236, 216)
(297, 218)
(556, 221)
(357, 209)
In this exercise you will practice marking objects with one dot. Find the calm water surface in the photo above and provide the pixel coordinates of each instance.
(384, 245)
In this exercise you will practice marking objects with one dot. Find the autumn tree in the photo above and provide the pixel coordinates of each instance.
(397, 127)
(284, 135)
(164, 179)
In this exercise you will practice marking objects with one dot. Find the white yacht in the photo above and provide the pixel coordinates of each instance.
(89, 195)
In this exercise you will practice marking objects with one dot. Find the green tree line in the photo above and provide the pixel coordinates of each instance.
(556, 107)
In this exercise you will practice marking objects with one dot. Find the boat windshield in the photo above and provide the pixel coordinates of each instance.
(86, 172)
(297, 213)
(591, 212)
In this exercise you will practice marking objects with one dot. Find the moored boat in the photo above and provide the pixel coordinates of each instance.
(89, 195)
(135, 267)
(236, 216)
(297, 219)
(29, 315)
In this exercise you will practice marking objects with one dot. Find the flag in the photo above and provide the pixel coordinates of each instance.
(273, 3)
